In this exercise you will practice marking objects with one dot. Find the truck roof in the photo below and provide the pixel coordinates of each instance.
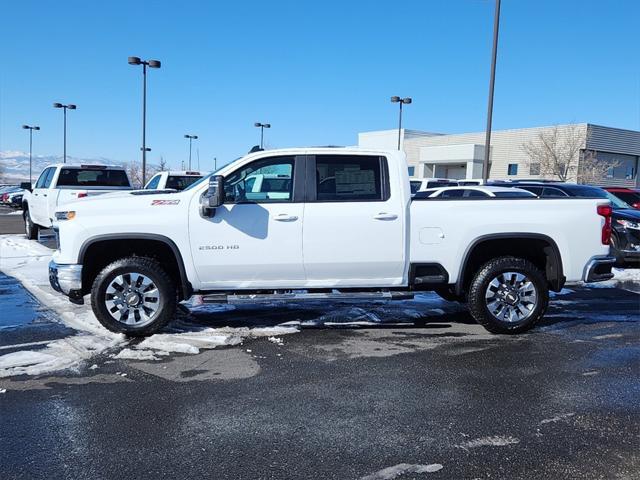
(88, 166)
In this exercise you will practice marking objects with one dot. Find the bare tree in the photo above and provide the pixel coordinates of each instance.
(593, 169)
(163, 164)
(134, 171)
(557, 151)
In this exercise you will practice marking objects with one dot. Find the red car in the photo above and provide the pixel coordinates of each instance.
(628, 195)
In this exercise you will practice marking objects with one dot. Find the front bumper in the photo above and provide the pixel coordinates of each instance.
(599, 269)
(66, 279)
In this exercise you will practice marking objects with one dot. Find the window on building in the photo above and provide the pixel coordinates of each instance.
(534, 169)
(412, 171)
(512, 169)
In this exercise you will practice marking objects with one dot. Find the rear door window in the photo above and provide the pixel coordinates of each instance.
(452, 194)
(350, 178)
(553, 192)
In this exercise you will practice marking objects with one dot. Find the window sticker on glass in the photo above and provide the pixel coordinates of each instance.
(354, 180)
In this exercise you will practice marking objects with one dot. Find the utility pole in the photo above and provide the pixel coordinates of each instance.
(492, 81)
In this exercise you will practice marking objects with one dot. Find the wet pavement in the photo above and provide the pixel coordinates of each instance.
(422, 391)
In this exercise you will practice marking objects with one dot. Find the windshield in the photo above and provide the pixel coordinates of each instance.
(92, 177)
(595, 192)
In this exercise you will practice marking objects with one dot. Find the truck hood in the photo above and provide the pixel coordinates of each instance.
(125, 201)
(626, 214)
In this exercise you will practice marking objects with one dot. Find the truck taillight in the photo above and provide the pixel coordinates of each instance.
(606, 211)
(82, 194)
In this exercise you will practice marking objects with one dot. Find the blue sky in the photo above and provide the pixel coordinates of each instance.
(319, 72)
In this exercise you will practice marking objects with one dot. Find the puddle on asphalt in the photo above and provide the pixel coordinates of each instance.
(17, 306)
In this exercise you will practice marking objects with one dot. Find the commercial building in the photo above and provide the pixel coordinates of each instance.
(459, 156)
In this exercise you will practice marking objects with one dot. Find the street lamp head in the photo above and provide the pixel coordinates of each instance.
(25, 126)
(186, 136)
(147, 149)
(395, 99)
(407, 100)
(134, 61)
(154, 63)
(36, 128)
(267, 125)
(71, 106)
(195, 137)
(257, 124)
(57, 105)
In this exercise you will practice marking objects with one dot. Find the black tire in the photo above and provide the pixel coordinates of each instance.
(31, 229)
(153, 270)
(615, 251)
(448, 294)
(489, 271)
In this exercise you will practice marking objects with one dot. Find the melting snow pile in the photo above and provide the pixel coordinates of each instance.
(28, 261)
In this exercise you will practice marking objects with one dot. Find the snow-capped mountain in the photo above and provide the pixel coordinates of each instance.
(14, 165)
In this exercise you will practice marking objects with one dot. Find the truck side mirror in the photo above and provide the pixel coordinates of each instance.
(214, 196)
(25, 186)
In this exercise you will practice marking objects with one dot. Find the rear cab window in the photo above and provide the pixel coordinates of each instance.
(92, 177)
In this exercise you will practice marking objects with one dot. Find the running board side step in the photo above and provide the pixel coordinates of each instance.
(296, 297)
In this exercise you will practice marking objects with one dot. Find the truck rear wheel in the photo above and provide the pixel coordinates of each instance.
(31, 229)
(508, 295)
(135, 296)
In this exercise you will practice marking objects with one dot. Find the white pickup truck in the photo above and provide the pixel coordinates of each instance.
(346, 228)
(62, 183)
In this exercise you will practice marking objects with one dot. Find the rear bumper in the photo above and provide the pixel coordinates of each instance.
(66, 279)
(598, 269)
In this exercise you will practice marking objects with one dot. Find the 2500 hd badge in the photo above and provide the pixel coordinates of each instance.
(219, 247)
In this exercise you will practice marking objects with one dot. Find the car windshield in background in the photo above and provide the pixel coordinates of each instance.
(80, 177)
(176, 182)
(415, 186)
(524, 194)
(595, 192)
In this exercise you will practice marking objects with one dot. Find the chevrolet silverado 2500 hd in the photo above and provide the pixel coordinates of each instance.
(343, 225)
(62, 183)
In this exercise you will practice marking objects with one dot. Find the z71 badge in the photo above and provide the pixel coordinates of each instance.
(165, 202)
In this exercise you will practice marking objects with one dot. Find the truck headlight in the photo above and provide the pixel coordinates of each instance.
(68, 215)
(629, 224)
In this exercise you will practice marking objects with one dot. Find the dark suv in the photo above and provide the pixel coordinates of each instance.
(625, 239)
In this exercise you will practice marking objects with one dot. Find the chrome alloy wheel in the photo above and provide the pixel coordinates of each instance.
(511, 297)
(132, 299)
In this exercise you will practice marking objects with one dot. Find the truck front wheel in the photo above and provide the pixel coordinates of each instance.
(508, 295)
(135, 296)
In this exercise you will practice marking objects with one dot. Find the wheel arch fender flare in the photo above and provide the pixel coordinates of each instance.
(185, 285)
(554, 269)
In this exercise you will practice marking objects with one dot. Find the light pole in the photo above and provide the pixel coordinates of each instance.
(150, 64)
(71, 106)
(262, 127)
(492, 81)
(31, 129)
(401, 101)
(191, 138)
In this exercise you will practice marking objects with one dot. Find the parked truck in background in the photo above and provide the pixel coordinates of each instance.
(62, 183)
(172, 180)
(343, 225)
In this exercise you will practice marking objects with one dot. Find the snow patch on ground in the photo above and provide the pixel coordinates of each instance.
(557, 418)
(495, 441)
(28, 261)
(396, 471)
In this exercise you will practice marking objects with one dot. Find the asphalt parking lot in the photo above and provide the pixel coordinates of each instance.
(426, 394)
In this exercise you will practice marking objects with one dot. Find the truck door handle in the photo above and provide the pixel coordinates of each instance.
(285, 217)
(385, 216)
